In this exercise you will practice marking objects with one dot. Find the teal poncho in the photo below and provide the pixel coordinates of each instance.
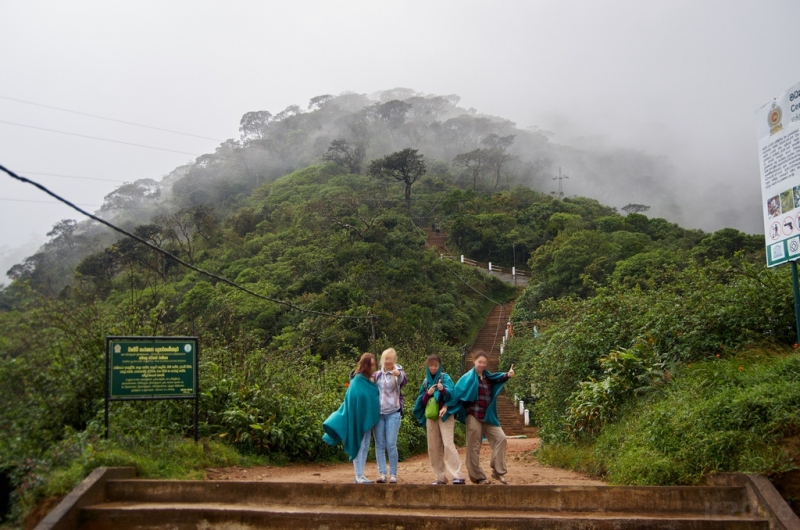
(430, 380)
(358, 414)
(466, 391)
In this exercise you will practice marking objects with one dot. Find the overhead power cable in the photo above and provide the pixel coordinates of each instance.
(70, 176)
(468, 285)
(96, 138)
(338, 334)
(423, 234)
(43, 202)
(174, 257)
(109, 119)
(125, 208)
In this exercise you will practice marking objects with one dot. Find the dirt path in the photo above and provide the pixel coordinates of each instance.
(523, 468)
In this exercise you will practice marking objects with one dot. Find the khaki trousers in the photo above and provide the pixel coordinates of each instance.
(442, 450)
(497, 441)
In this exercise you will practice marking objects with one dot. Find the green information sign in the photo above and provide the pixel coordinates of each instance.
(139, 368)
(149, 368)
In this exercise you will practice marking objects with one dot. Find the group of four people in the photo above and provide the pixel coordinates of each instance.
(373, 405)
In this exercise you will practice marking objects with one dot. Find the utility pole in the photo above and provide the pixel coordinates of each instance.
(374, 346)
(560, 178)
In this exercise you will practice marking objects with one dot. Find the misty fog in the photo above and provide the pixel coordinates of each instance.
(648, 103)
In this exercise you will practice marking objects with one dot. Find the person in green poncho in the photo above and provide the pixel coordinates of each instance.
(429, 410)
(474, 402)
(352, 424)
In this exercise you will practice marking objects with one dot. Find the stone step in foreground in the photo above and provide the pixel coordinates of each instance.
(718, 500)
(108, 500)
(221, 516)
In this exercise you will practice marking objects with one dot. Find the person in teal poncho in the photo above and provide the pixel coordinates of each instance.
(433, 392)
(360, 412)
(474, 402)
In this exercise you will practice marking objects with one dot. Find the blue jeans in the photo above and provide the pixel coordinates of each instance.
(361, 458)
(386, 438)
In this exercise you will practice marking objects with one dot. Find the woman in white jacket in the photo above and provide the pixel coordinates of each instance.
(390, 380)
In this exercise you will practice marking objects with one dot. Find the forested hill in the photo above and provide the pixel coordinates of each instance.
(488, 153)
(341, 239)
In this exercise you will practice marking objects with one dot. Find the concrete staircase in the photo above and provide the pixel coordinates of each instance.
(438, 242)
(489, 339)
(149, 504)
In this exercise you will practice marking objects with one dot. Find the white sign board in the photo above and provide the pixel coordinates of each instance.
(778, 126)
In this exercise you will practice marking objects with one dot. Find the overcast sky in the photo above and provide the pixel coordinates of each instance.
(678, 79)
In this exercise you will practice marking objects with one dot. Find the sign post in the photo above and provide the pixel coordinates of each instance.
(796, 287)
(778, 130)
(152, 368)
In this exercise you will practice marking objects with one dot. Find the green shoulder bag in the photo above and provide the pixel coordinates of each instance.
(432, 409)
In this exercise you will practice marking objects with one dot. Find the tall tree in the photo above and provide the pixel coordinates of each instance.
(254, 124)
(406, 166)
(496, 155)
(132, 195)
(474, 162)
(349, 155)
(392, 112)
(318, 102)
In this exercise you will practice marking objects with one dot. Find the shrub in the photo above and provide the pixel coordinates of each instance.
(737, 414)
(702, 311)
(627, 373)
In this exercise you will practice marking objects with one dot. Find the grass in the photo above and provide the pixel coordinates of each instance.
(79, 454)
(732, 414)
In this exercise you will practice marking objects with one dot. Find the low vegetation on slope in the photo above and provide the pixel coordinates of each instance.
(740, 413)
(673, 362)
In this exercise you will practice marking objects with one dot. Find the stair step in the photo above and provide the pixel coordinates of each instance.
(720, 500)
(119, 516)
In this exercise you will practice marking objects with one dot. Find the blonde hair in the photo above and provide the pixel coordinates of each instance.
(388, 352)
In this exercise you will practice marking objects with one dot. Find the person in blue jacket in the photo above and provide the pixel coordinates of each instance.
(474, 402)
(442, 451)
(352, 424)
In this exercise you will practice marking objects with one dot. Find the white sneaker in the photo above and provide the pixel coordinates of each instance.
(393, 480)
(362, 480)
(381, 479)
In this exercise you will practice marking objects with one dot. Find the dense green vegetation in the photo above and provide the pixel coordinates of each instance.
(632, 315)
(739, 413)
(659, 364)
(331, 242)
(702, 311)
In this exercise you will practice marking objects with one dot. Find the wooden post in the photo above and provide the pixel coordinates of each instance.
(374, 345)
